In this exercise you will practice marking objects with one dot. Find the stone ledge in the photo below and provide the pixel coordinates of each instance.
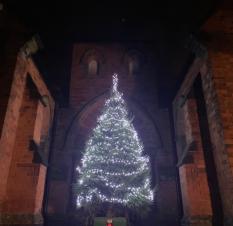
(197, 221)
(21, 219)
(21, 224)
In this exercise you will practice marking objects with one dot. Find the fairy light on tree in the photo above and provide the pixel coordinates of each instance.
(113, 168)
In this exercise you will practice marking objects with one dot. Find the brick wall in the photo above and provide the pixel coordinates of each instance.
(26, 119)
(192, 170)
(111, 60)
(87, 95)
(12, 38)
(218, 84)
(216, 79)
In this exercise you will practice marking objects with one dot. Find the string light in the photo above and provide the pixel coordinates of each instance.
(113, 168)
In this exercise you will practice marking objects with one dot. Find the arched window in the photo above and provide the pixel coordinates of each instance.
(133, 66)
(92, 67)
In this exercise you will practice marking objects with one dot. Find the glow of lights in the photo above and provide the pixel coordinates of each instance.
(113, 168)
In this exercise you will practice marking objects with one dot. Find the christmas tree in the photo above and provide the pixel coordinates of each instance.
(113, 168)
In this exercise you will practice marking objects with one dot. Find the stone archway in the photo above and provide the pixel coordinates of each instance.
(85, 120)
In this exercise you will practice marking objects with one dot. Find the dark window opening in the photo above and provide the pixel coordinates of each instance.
(133, 67)
(93, 67)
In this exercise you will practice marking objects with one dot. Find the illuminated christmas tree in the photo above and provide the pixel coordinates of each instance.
(113, 168)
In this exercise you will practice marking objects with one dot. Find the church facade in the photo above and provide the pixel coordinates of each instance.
(189, 142)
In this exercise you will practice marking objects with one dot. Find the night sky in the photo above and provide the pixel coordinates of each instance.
(165, 23)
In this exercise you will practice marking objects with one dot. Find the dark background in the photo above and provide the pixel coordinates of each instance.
(166, 25)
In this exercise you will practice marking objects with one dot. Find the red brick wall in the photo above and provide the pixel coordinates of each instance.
(12, 38)
(22, 169)
(193, 178)
(22, 180)
(111, 59)
(218, 84)
(73, 128)
(8, 128)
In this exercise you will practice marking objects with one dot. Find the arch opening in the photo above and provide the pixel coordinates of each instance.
(85, 121)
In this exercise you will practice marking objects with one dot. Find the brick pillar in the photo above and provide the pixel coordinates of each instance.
(22, 175)
(12, 38)
(10, 119)
(194, 186)
(218, 85)
(11, 41)
(22, 181)
(218, 94)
